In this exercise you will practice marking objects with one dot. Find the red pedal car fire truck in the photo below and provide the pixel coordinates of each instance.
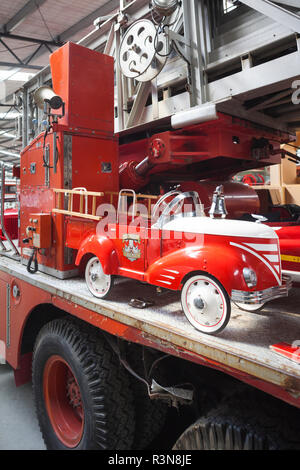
(211, 261)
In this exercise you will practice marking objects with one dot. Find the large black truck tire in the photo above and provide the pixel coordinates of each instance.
(82, 394)
(248, 422)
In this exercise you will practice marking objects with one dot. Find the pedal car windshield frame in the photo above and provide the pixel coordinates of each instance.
(177, 203)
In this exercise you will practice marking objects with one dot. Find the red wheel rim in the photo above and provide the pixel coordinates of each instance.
(63, 401)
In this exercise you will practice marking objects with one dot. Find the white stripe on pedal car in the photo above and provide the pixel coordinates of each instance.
(259, 257)
(277, 267)
(272, 258)
(164, 282)
(261, 247)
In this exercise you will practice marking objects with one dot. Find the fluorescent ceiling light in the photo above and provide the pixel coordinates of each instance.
(7, 134)
(4, 152)
(17, 76)
(10, 115)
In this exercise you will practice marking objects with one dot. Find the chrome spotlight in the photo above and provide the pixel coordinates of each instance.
(165, 7)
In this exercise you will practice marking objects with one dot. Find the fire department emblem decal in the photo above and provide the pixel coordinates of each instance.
(132, 247)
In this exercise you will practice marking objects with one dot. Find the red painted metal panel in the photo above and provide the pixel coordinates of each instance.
(218, 147)
(95, 164)
(82, 149)
(20, 308)
(85, 81)
(287, 350)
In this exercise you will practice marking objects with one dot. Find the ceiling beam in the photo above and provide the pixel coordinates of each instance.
(291, 116)
(8, 139)
(9, 148)
(276, 13)
(266, 102)
(20, 65)
(29, 58)
(17, 37)
(106, 9)
(289, 3)
(88, 20)
(6, 152)
(20, 16)
(19, 61)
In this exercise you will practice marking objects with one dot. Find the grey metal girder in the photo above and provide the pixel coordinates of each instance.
(21, 14)
(220, 46)
(276, 12)
(18, 37)
(61, 38)
(289, 3)
(88, 20)
(20, 65)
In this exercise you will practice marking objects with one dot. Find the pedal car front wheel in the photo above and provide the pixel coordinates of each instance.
(205, 303)
(98, 283)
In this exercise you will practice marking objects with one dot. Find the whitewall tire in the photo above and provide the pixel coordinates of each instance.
(98, 283)
(205, 303)
(254, 308)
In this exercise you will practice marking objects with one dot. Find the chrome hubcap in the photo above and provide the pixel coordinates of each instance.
(98, 282)
(205, 303)
(199, 303)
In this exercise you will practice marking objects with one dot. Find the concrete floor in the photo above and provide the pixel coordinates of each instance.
(19, 428)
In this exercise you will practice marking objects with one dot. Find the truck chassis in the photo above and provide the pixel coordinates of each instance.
(29, 302)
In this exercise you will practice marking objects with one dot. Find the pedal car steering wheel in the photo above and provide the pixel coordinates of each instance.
(162, 204)
(178, 202)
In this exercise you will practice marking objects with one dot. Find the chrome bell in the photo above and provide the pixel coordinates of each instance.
(218, 207)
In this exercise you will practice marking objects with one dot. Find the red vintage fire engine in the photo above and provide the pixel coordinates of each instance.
(223, 260)
(70, 179)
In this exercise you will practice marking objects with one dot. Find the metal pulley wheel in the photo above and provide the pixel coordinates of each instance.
(143, 51)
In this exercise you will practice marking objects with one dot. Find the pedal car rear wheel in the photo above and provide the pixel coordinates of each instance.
(205, 303)
(98, 283)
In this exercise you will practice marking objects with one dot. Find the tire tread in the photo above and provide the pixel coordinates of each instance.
(108, 384)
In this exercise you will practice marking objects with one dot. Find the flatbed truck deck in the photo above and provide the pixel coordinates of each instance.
(242, 350)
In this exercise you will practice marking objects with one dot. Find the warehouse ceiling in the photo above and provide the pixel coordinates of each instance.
(242, 62)
(29, 31)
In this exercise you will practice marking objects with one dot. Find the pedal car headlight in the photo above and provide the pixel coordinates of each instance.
(250, 277)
